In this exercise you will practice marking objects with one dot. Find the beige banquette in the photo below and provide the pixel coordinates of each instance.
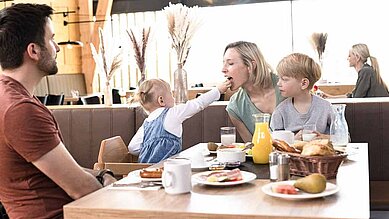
(84, 127)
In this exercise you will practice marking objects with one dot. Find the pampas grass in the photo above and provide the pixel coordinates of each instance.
(182, 24)
(140, 50)
(110, 57)
(319, 41)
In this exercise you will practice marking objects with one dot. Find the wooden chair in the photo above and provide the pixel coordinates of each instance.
(114, 155)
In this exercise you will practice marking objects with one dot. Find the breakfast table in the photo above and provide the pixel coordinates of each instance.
(246, 200)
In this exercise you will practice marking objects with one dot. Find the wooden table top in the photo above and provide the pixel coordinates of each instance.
(239, 201)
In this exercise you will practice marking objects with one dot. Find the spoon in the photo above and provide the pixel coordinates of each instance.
(248, 145)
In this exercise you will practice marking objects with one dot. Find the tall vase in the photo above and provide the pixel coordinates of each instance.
(180, 85)
(107, 94)
(323, 77)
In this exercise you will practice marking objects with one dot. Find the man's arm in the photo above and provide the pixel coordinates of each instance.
(60, 167)
(242, 130)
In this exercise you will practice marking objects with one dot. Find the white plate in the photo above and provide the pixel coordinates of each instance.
(246, 177)
(348, 150)
(135, 175)
(201, 167)
(330, 189)
(214, 152)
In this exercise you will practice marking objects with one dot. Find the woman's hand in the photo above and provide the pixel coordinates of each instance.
(325, 95)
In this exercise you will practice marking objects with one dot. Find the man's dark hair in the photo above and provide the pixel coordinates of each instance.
(20, 25)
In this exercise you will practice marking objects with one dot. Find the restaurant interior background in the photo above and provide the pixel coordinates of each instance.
(277, 27)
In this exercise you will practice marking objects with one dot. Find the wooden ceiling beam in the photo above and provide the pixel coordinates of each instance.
(89, 34)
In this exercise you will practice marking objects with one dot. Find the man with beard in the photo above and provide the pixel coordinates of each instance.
(38, 175)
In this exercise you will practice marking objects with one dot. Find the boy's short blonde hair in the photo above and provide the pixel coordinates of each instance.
(299, 66)
(149, 91)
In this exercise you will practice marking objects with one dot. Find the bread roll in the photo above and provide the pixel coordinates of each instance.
(284, 146)
(151, 173)
(319, 147)
(299, 145)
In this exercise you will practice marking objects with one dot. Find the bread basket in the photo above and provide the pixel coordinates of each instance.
(305, 165)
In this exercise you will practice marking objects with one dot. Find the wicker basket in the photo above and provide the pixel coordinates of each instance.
(305, 165)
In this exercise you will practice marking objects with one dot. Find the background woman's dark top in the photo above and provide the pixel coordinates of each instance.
(367, 84)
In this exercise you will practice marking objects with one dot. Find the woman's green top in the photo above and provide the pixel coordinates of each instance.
(242, 108)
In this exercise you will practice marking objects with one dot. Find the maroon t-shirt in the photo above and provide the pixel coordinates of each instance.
(28, 130)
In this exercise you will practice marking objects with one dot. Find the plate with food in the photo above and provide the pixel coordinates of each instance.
(305, 188)
(213, 147)
(223, 177)
(147, 174)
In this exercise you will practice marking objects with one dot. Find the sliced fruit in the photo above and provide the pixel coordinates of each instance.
(284, 189)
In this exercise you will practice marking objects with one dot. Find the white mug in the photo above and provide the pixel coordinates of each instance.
(284, 135)
(176, 176)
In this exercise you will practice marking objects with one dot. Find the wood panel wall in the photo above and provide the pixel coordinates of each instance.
(74, 59)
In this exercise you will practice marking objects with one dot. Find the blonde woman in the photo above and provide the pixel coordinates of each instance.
(159, 137)
(253, 77)
(369, 82)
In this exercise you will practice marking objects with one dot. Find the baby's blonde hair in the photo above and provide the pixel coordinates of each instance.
(297, 65)
(149, 91)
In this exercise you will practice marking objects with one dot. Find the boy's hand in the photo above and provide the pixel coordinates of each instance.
(223, 87)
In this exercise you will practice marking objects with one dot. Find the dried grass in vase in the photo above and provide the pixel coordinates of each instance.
(110, 57)
(182, 24)
(140, 50)
(319, 41)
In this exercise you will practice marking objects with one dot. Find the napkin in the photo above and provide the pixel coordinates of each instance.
(129, 183)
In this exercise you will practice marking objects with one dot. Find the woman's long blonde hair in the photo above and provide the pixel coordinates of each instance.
(249, 52)
(362, 51)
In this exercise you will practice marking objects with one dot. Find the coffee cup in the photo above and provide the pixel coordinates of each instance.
(197, 159)
(176, 176)
(285, 135)
(309, 132)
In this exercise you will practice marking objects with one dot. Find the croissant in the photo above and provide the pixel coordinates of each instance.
(284, 146)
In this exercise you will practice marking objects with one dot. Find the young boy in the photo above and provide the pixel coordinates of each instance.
(297, 75)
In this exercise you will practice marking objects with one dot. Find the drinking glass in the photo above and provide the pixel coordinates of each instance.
(227, 135)
(309, 132)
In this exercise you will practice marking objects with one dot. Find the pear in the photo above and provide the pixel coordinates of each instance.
(212, 146)
(314, 183)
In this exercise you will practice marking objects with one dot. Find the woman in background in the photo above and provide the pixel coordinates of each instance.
(248, 71)
(369, 82)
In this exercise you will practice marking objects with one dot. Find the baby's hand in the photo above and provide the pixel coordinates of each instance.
(223, 87)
